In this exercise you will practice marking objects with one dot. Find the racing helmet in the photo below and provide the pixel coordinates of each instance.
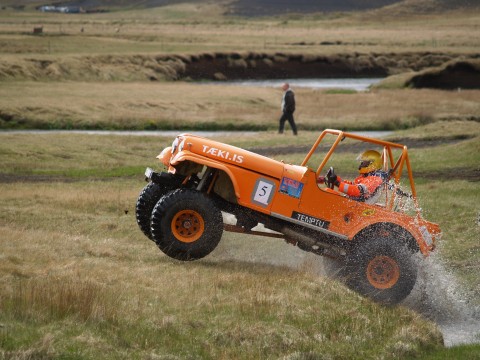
(370, 160)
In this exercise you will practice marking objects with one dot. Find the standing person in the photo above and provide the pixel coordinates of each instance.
(288, 108)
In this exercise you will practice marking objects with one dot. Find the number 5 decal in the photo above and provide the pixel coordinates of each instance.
(263, 192)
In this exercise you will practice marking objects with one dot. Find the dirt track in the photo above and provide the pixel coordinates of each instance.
(457, 173)
(410, 143)
(451, 174)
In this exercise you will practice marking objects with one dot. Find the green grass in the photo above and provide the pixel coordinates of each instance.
(470, 352)
(340, 91)
(79, 156)
(113, 295)
(456, 209)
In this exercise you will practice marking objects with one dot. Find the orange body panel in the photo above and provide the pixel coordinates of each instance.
(228, 154)
(291, 193)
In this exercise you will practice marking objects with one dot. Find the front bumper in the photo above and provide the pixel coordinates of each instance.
(163, 178)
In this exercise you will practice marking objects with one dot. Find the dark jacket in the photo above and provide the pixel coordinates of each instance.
(288, 101)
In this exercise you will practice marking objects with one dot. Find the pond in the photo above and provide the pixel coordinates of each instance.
(168, 133)
(357, 84)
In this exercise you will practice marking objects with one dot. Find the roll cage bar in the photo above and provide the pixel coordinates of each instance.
(396, 167)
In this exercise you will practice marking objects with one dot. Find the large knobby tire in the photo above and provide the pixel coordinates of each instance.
(146, 201)
(382, 269)
(186, 225)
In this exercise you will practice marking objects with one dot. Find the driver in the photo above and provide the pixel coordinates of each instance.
(367, 184)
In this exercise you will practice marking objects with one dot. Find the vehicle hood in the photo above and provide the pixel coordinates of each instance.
(228, 154)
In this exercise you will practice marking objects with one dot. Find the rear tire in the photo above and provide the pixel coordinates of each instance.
(382, 269)
(186, 225)
(146, 201)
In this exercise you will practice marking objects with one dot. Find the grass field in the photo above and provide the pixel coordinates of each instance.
(180, 105)
(78, 280)
(201, 27)
(111, 92)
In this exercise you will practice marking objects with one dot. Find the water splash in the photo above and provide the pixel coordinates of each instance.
(439, 297)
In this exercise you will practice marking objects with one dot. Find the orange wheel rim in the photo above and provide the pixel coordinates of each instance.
(188, 226)
(383, 272)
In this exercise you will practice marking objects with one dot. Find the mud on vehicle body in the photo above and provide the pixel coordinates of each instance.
(374, 241)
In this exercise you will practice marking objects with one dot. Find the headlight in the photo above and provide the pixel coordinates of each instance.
(174, 145)
(180, 147)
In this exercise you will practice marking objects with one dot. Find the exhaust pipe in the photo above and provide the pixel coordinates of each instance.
(315, 246)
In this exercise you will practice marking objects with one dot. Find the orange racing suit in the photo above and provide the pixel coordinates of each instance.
(364, 186)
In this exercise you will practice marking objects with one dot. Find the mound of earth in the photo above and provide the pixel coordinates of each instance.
(218, 66)
(459, 74)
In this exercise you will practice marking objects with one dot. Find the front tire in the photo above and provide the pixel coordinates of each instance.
(186, 225)
(146, 201)
(382, 269)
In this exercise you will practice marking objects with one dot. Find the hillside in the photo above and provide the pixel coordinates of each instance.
(276, 7)
(423, 7)
(252, 8)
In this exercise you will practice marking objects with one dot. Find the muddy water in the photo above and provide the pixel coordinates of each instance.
(437, 295)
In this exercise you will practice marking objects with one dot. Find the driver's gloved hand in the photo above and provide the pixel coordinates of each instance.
(321, 180)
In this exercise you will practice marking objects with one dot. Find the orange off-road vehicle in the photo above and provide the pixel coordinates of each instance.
(375, 240)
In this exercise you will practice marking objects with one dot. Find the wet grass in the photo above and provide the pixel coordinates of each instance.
(76, 262)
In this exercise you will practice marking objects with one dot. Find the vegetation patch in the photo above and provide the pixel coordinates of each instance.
(460, 74)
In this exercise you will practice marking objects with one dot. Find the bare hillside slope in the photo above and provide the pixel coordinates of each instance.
(267, 7)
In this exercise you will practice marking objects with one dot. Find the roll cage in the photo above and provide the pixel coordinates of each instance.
(393, 167)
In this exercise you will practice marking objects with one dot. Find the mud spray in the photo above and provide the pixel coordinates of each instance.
(437, 295)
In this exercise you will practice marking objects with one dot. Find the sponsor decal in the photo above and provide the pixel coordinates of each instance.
(368, 212)
(311, 220)
(263, 192)
(222, 154)
(291, 187)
